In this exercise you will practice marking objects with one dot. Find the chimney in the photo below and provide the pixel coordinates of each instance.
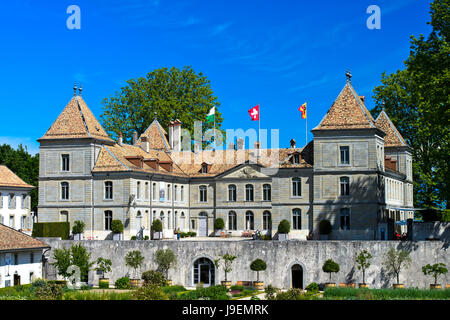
(176, 139)
(363, 99)
(231, 146)
(120, 138)
(240, 144)
(257, 145)
(135, 137)
(171, 134)
(293, 143)
(145, 145)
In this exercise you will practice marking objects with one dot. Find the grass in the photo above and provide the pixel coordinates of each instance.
(385, 294)
(104, 295)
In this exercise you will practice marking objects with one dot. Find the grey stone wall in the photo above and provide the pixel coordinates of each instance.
(280, 257)
(431, 230)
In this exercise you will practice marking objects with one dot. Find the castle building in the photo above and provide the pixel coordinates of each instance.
(356, 173)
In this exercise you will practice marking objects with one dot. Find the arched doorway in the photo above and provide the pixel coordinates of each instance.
(297, 276)
(203, 270)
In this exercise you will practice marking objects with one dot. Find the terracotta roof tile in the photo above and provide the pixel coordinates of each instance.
(10, 179)
(393, 138)
(156, 136)
(11, 239)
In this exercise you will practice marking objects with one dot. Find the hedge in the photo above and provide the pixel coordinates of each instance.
(51, 230)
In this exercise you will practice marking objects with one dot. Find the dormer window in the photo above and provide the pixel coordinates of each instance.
(296, 158)
(204, 168)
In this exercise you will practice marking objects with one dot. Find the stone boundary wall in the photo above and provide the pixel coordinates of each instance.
(279, 255)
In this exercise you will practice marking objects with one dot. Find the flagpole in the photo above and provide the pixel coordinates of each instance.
(259, 126)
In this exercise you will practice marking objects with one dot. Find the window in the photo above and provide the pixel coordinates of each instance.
(31, 257)
(232, 192)
(345, 186)
(193, 224)
(267, 194)
(11, 221)
(169, 192)
(64, 190)
(232, 225)
(11, 201)
(204, 168)
(155, 192)
(64, 216)
(345, 219)
(23, 222)
(203, 193)
(138, 190)
(108, 219)
(65, 162)
(147, 191)
(296, 158)
(296, 187)
(296, 219)
(267, 220)
(249, 220)
(249, 192)
(16, 259)
(345, 155)
(182, 193)
(108, 190)
(175, 191)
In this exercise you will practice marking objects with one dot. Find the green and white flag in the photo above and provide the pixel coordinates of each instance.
(210, 115)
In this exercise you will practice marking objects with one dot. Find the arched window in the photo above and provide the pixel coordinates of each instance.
(147, 191)
(175, 220)
(249, 220)
(203, 194)
(296, 219)
(154, 191)
(64, 190)
(138, 220)
(169, 192)
(108, 190)
(175, 191)
(345, 186)
(108, 219)
(296, 187)
(249, 192)
(161, 217)
(267, 192)
(232, 192)
(182, 193)
(64, 216)
(267, 220)
(232, 224)
(138, 190)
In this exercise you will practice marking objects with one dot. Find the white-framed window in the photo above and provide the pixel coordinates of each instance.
(249, 220)
(108, 219)
(138, 190)
(345, 219)
(108, 190)
(345, 154)
(296, 187)
(267, 220)
(64, 190)
(345, 186)
(232, 220)
(65, 162)
(154, 192)
(267, 192)
(203, 194)
(249, 192)
(296, 219)
(232, 193)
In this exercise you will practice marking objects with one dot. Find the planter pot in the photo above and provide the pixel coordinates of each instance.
(117, 236)
(77, 236)
(104, 281)
(363, 285)
(135, 283)
(157, 235)
(282, 236)
(217, 233)
(258, 285)
(447, 286)
(323, 237)
(351, 285)
(227, 284)
(330, 285)
(435, 286)
(398, 286)
(342, 285)
(169, 282)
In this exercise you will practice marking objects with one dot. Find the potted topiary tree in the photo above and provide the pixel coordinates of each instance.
(103, 266)
(165, 259)
(363, 263)
(258, 265)
(157, 229)
(283, 229)
(325, 229)
(435, 270)
(117, 229)
(227, 261)
(134, 260)
(78, 229)
(330, 267)
(395, 261)
(219, 225)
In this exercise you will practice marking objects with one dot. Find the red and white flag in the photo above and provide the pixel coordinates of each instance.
(254, 113)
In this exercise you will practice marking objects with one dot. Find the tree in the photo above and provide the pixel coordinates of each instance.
(78, 256)
(417, 100)
(165, 260)
(62, 262)
(134, 259)
(219, 224)
(157, 225)
(103, 266)
(78, 227)
(435, 270)
(258, 265)
(117, 226)
(330, 267)
(284, 226)
(363, 262)
(395, 261)
(171, 93)
(227, 261)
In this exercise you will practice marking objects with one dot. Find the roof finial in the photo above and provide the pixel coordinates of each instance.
(156, 115)
(80, 89)
(75, 89)
(348, 74)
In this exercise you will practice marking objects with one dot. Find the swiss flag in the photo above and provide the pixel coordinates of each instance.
(254, 113)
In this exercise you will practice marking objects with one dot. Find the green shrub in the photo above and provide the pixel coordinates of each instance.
(236, 287)
(117, 226)
(271, 292)
(156, 278)
(312, 287)
(146, 238)
(210, 293)
(38, 283)
(133, 238)
(291, 294)
(85, 287)
(123, 283)
(192, 234)
(165, 259)
(219, 224)
(150, 292)
(173, 289)
(78, 227)
(103, 284)
(51, 291)
(284, 226)
(325, 227)
(330, 267)
(51, 230)
(258, 265)
(385, 294)
(103, 266)
(157, 225)
(255, 298)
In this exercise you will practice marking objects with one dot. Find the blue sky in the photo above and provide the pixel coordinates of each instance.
(275, 53)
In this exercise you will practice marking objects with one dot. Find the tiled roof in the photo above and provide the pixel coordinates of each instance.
(156, 136)
(393, 138)
(10, 179)
(76, 121)
(11, 239)
(347, 112)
